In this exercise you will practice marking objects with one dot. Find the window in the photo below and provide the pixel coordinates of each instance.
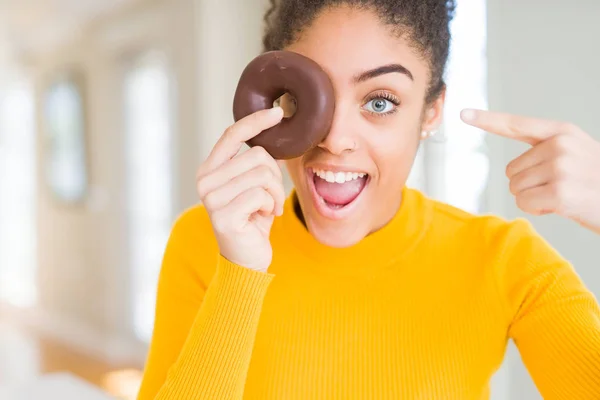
(149, 145)
(466, 163)
(453, 165)
(17, 196)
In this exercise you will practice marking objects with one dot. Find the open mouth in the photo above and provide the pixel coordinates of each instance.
(337, 189)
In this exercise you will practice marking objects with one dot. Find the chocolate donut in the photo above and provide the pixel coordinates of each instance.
(271, 75)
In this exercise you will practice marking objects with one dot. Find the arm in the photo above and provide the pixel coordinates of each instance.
(555, 318)
(208, 308)
(203, 334)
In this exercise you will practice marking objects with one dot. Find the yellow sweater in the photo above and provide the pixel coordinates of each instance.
(421, 309)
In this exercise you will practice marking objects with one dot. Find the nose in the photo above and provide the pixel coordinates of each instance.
(341, 138)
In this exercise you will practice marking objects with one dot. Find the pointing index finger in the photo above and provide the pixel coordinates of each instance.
(230, 143)
(524, 129)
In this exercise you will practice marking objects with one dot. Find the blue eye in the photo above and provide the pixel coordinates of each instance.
(379, 105)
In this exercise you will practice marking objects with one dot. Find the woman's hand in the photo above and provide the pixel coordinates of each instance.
(243, 193)
(561, 172)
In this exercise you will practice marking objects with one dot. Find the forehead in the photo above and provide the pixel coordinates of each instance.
(347, 41)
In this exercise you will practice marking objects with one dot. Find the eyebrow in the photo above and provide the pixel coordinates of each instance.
(385, 69)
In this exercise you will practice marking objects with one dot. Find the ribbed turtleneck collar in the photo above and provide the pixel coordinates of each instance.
(377, 250)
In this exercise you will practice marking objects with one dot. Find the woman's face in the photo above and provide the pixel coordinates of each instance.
(351, 184)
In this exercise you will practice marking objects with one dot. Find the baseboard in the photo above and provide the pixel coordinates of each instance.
(79, 336)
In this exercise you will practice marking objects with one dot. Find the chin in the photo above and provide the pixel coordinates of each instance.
(339, 236)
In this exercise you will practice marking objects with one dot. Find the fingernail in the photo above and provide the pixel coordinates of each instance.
(277, 111)
(468, 115)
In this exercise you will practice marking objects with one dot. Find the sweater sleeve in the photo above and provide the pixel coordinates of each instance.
(555, 319)
(203, 334)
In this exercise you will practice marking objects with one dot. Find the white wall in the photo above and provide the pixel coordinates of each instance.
(229, 33)
(544, 62)
(230, 36)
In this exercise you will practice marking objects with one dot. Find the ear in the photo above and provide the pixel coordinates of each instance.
(434, 114)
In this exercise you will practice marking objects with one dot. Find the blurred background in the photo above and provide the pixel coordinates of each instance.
(107, 107)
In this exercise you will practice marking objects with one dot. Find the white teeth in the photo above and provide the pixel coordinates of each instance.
(329, 176)
(338, 177)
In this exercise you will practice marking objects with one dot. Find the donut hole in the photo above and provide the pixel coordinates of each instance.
(288, 103)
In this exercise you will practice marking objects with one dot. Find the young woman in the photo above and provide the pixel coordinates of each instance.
(362, 288)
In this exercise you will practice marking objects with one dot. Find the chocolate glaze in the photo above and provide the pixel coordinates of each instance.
(268, 77)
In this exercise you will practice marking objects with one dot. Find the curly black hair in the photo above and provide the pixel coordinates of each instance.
(424, 22)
